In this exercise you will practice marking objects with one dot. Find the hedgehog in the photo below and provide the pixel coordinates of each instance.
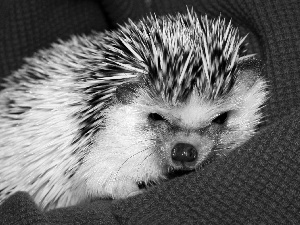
(111, 114)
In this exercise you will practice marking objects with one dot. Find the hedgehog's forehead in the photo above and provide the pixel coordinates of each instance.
(194, 112)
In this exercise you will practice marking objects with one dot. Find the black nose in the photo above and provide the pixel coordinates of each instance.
(184, 152)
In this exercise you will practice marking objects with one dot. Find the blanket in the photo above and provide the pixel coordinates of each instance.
(258, 183)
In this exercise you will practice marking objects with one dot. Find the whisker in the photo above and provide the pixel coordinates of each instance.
(149, 154)
(120, 167)
(139, 168)
(146, 157)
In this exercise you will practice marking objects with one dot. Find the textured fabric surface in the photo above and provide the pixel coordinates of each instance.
(20, 209)
(27, 26)
(255, 184)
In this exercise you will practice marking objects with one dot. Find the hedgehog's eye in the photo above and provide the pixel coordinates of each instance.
(156, 117)
(221, 119)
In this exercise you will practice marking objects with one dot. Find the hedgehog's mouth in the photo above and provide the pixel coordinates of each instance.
(172, 173)
(177, 172)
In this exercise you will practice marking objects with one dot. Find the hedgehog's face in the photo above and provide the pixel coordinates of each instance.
(187, 133)
(146, 138)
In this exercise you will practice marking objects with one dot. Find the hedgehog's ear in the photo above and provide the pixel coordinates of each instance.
(249, 71)
(127, 92)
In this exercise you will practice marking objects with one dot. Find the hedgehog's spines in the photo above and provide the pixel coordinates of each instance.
(169, 49)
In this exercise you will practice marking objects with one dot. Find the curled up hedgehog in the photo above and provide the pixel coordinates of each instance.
(110, 114)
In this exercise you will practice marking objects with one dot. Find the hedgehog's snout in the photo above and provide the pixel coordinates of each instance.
(184, 154)
(184, 159)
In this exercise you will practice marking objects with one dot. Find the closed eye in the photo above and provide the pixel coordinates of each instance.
(221, 119)
(156, 117)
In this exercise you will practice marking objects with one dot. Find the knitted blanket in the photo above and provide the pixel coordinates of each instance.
(258, 183)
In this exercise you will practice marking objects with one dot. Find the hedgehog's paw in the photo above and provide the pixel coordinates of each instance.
(134, 193)
(125, 189)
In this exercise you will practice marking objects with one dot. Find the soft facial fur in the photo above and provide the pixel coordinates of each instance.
(98, 115)
(143, 147)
